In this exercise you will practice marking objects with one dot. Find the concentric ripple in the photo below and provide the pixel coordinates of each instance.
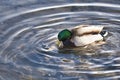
(28, 43)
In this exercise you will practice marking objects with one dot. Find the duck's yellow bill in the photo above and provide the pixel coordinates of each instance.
(59, 43)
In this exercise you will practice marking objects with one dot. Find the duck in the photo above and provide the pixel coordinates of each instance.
(81, 35)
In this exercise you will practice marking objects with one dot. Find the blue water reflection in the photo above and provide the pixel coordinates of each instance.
(28, 32)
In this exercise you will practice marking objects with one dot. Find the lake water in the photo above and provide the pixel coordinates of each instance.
(28, 32)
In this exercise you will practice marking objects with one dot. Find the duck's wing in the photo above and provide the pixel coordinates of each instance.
(87, 29)
(86, 39)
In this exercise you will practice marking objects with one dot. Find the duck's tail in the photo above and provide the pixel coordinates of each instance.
(104, 33)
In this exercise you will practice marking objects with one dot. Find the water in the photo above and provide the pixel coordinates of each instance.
(28, 31)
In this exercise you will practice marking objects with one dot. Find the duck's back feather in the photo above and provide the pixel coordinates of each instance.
(87, 29)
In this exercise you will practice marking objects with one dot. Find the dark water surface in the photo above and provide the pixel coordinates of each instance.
(28, 31)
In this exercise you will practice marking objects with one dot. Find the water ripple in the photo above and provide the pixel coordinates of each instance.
(28, 43)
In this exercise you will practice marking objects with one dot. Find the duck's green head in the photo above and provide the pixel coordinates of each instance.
(64, 35)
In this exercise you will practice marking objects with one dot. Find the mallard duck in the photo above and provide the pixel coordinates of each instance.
(81, 35)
